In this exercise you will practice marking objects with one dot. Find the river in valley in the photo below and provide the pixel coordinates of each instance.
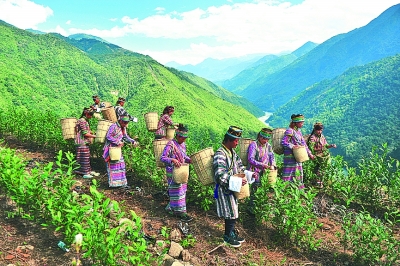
(265, 117)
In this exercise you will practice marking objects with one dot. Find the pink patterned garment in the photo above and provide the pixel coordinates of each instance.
(163, 123)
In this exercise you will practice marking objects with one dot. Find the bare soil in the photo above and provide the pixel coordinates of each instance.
(25, 243)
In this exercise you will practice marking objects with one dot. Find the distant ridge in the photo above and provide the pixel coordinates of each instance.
(217, 70)
(80, 36)
(36, 31)
(267, 65)
(378, 39)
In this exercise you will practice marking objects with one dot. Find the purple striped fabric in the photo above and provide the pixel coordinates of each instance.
(163, 123)
(177, 192)
(116, 173)
(83, 159)
(291, 168)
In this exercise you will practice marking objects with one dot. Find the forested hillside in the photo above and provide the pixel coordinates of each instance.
(378, 39)
(51, 72)
(360, 108)
(258, 71)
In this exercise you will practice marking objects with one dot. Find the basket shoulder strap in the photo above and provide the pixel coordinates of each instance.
(231, 166)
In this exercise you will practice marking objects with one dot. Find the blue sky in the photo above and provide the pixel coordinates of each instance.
(189, 31)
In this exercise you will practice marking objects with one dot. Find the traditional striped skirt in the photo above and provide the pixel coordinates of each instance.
(116, 173)
(227, 205)
(291, 168)
(83, 159)
(177, 195)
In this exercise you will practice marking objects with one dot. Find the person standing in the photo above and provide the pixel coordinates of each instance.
(83, 138)
(320, 149)
(293, 138)
(120, 110)
(174, 155)
(97, 106)
(260, 158)
(116, 137)
(227, 163)
(164, 122)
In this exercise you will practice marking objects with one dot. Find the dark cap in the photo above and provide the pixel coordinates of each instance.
(234, 132)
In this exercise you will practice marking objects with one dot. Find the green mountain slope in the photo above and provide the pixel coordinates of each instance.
(256, 74)
(378, 39)
(47, 72)
(101, 51)
(219, 91)
(360, 108)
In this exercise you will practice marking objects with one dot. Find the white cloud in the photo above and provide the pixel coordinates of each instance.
(23, 14)
(115, 32)
(159, 10)
(60, 30)
(262, 26)
(68, 22)
(257, 27)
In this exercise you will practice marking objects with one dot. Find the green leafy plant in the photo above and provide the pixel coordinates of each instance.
(188, 241)
(370, 239)
(289, 211)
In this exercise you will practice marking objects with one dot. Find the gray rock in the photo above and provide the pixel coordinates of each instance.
(185, 255)
(175, 250)
(175, 235)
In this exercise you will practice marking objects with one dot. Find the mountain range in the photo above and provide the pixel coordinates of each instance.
(378, 39)
(217, 70)
(264, 67)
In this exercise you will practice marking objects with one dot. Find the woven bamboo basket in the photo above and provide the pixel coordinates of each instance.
(244, 190)
(97, 116)
(170, 133)
(107, 104)
(115, 153)
(272, 175)
(151, 120)
(180, 174)
(300, 154)
(244, 146)
(277, 136)
(202, 162)
(102, 128)
(158, 148)
(68, 127)
(109, 114)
